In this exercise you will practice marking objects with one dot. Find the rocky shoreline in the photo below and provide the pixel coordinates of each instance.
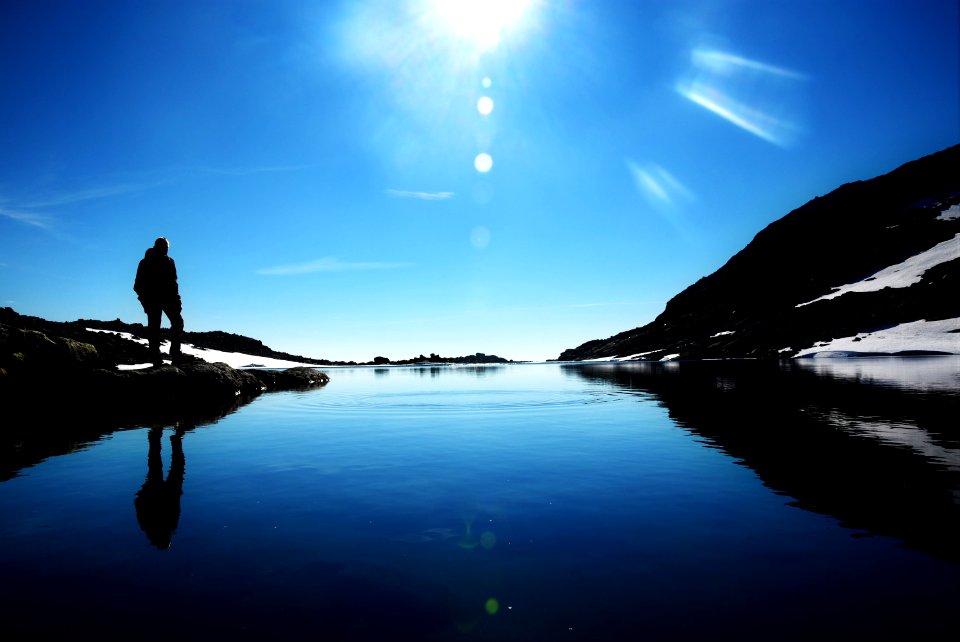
(36, 362)
(60, 388)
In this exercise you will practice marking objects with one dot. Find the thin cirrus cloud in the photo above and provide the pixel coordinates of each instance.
(758, 97)
(28, 218)
(69, 198)
(248, 171)
(661, 188)
(420, 196)
(25, 210)
(328, 264)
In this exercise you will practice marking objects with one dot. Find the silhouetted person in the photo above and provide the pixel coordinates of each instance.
(158, 500)
(156, 287)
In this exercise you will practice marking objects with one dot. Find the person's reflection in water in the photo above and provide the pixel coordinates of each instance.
(158, 500)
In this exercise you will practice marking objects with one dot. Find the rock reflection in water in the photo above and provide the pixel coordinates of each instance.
(877, 452)
(61, 430)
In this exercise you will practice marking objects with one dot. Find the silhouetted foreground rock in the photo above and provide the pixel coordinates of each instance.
(43, 374)
(58, 394)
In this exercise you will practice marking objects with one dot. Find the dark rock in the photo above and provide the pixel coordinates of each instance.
(289, 379)
(58, 393)
(49, 374)
(436, 359)
(24, 351)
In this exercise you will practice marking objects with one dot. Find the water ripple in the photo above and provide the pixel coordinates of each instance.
(457, 401)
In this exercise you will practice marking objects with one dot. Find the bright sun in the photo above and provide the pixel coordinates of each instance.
(480, 22)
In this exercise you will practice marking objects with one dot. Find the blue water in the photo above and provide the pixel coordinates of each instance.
(641, 501)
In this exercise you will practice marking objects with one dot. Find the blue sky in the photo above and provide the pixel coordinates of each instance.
(314, 164)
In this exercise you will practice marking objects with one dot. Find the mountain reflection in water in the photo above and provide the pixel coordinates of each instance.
(871, 442)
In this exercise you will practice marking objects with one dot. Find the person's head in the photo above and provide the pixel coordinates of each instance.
(161, 245)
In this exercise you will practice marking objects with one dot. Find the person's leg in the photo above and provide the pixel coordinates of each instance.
(173, 312)
(153, 332)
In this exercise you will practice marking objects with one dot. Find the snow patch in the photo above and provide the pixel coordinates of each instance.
(671, 357)
(232, 359)
(950, 213)
(630, 357)
(640, 355)
(934, 336)
(902, 275)
(720, 334)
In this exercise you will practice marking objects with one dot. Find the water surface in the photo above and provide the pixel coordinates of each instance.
(591, 501)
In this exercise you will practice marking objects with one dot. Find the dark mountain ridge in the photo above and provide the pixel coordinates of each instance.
(749, 307)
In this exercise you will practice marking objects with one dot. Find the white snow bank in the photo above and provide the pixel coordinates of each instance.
(232, 359)
(949, 213)
(630, 357)
(639, 355)
(902, 275)
(939, 336)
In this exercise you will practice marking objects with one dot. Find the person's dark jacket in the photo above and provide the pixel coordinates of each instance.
(156, 281)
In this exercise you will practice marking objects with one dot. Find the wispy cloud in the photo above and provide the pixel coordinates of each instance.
(421, 196)
(28, 218)
(25, 209)
(661, 188)
(96, 193)
(247, 171)
(603, 305)
(727, 63)
(758, 97)
(329, 264)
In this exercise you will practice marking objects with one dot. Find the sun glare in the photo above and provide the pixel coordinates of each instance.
(480, 22)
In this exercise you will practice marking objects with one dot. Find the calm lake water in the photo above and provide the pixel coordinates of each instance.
(559, 502)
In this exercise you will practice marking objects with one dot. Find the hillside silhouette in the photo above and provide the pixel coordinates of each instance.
(753, 306)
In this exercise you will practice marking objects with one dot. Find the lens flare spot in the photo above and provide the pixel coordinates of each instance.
(485, 105)
(483, 162)
(492, 606)
(480, 237)
(486, 82)
(488, 540)
(467, 540)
